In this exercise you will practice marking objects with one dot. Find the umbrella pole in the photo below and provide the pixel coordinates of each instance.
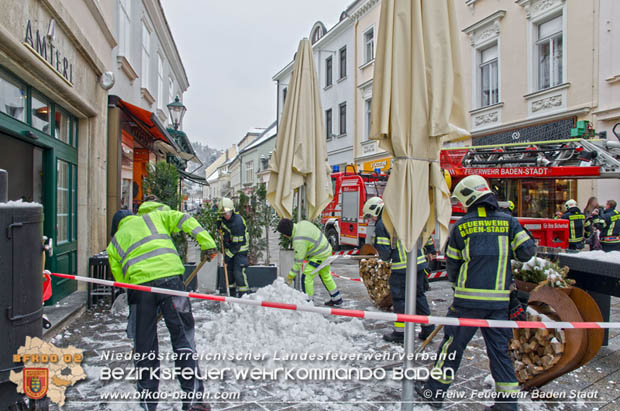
(410, 302)
(298, 276)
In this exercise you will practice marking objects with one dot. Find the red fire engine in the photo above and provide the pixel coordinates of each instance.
(574, 158)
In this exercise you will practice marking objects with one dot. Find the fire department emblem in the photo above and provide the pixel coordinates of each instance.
(36, 382)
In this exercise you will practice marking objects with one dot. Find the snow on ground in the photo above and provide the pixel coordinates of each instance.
(599, 255)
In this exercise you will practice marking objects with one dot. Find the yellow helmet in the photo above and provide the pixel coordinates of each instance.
(226, 205)
(511, 205)
(373, 207)
(470, 189)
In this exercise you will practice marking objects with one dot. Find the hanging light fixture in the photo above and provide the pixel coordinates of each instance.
(177, 111)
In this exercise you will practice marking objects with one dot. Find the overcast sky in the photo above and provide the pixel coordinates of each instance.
(230, 50)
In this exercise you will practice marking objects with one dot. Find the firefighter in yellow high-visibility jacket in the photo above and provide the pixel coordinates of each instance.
(310, 244)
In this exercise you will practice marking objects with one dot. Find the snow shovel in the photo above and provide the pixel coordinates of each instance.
(224, 264)
(429, 339)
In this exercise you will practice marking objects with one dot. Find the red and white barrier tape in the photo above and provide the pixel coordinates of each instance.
(369, 315)
(437, 274)
(431, 276)
(346, 278)
(347, 252)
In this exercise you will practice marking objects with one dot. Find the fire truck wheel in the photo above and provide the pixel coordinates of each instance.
(332, 237)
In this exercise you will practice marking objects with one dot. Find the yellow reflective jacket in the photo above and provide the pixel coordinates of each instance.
(142, 249)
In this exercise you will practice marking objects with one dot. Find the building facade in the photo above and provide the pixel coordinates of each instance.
(254, 159)
(530, 72)
(53, 124)
(607, 114)
(149, 75)
(334, 59)
(365, 14)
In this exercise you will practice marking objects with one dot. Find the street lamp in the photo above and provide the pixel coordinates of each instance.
(177, 111)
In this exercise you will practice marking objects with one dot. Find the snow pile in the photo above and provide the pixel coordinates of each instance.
(612, 257)
(258, 330)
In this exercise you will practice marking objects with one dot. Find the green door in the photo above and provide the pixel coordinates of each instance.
(50, 133)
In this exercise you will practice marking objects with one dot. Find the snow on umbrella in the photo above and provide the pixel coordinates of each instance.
(300, 157)
(417, 103)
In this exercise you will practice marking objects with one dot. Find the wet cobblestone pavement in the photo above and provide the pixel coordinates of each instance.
(99, 330)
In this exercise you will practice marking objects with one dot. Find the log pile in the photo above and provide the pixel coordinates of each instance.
(535, 350)
(376, 275)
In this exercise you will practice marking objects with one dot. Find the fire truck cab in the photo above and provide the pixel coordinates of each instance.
(343, 219)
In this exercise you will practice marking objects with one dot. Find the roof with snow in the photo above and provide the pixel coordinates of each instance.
(265, 135)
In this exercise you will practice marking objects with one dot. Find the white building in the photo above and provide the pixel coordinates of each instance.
(333, 53)
(608, 111)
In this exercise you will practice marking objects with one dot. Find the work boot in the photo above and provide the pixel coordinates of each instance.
(426, 395)
(394, 337)
(332, 303)
(426, 331)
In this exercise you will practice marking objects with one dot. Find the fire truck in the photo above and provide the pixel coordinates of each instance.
(577, 158)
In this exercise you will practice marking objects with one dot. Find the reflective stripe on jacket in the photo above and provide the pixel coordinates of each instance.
(142, 249)
(611, 227)
(576, 224)
(479, 251)
(397, 255)
(309, 243)
(236, 238)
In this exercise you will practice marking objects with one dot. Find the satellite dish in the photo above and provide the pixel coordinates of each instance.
(107, 80)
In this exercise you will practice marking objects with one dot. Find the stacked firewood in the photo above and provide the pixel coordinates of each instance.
(376, 275)
(535, 350)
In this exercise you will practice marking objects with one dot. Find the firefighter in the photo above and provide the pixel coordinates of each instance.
(393, 251)
(142, 252)
(236, 246)
(577, 225)
(311, 245)
(610, 227)
(478, 254)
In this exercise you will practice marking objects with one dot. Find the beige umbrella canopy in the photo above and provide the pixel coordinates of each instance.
(300, 157)
(417, 104)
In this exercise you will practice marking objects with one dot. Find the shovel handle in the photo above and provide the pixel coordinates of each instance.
(429, 338)
(224, 264)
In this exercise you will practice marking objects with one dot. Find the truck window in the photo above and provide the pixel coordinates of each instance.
(350, 206)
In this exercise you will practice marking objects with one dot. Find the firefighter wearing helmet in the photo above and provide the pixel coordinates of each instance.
(236, 246)
(393, 251)
(478, 255)
(577, 225)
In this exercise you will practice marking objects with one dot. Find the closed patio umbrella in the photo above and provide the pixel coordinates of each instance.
(417, 104)
(300, 157)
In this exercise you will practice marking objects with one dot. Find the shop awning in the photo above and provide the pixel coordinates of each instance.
(147, 120)
(193, 178)
(186, 151)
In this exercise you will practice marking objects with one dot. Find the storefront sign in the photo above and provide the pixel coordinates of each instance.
(555, 130)
(527, 172)
(43, 47)
(384, 164)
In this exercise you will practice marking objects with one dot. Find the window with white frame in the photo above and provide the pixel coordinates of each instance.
(367, 114)
(124, 28)
(549, 53)
(146, 55)
(489, 77)
(249, 172)
(160, 82)
(328, 124)
(343, 62)
(328, 71)
(342, 111)
(171, 95)
(369, 45)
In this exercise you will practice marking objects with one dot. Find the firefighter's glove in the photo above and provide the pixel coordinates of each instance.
(290, 280)
(211, 254)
